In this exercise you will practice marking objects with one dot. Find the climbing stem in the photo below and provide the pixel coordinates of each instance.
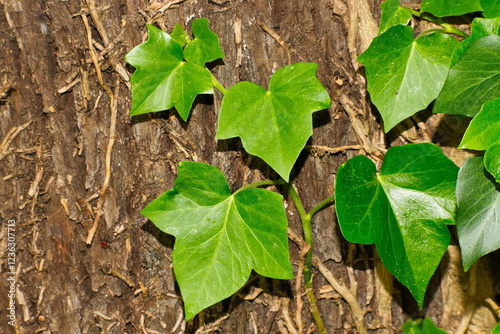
(306, 228)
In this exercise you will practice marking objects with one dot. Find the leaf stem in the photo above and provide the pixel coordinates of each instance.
(448, 28)
(217, 84)
(321, 205)
(261, 183)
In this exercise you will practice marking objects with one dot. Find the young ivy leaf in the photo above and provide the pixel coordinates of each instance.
(425, 326)
(442, 8)
(220, 237)
(205, 47)
(393, 14)
(163, 79)
(484, 129)
(403, 211)
(274, 124)
(492, 160)
(473, 80)
(405, 75)
(478, 214)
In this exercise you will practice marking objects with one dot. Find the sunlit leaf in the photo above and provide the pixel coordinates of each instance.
(442, 8)
(393, 14)
(425, 326)
(220, 237)
(492, 160)
(484, 129)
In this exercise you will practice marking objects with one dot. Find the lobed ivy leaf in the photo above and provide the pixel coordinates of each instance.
(403, 211)
(274, 124)
(205, 46)
(484, 129)
(479, 28)
(393, 14)
(180, 36)
(405, 75)
(162, 79)
(491, 8)
(492, 160)
(442, 8)
(473, 80)
(220, 237)
(478, 214)
(419, 326)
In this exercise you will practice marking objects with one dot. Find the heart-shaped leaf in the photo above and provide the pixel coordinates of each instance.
(491, 8)
(405, 75)
(220, 237)
(274, 124)
(393, 14)
(403, 211)
(442, 8)
(484, 129)
(478, 214)
(179, 35)
(473, 80)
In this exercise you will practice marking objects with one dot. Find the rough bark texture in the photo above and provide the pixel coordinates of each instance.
(55, 172)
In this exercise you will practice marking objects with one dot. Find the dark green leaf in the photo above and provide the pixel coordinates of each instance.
(179, 35)
(393, 14)
(220, 237)
(491, 8)
(162, 79)
(404, 210)
(405, 75)
(419, 326)
(492, 160)
(478, 214)
(479, 28)
(473, 80)
(484, 129)
(205, 46)
(442, 8)
(274, 124)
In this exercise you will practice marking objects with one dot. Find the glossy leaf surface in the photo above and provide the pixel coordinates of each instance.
(403, 210)
(442, 8)
(484, 129)
(274, 124)
(491, 8)
(205, 46)
(405, 75)
(220, 237)
(492, 160)
(393, 14)
(478, 214)
(473, 80)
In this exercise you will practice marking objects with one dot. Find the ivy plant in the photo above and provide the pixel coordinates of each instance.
(405, 208)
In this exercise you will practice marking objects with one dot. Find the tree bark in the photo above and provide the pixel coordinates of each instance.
(74, 163)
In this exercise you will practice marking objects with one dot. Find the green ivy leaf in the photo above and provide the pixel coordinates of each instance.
(179, 35)
(405, 75)
(492, 160)
(393, 14)
(220, 237)
(274, 124)
(473, 80)
(479, 28)
(496, 330)
(205, 46)
(404, 210)
(442, 8)
(491, 8)
(162, 79)
(425, 326)
(478, 214)
(484, 129)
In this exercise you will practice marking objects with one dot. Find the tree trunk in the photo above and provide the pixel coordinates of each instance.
(74, 163)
